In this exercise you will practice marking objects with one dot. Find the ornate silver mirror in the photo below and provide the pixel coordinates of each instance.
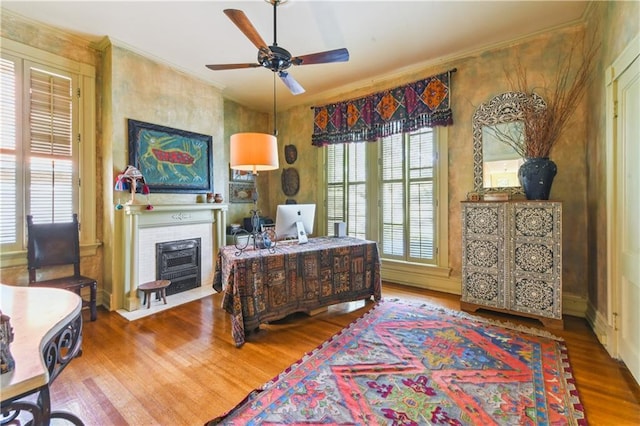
(495, 163)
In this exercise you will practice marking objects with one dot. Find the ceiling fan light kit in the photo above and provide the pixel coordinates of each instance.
(274, 57)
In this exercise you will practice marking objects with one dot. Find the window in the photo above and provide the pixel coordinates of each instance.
(347, 188)
(388, 191)
(407, 196)
(41, 142)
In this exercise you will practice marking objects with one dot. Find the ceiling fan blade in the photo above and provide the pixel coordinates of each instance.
(291, 83)
(222, 67)
(337, 55)
(242, 22)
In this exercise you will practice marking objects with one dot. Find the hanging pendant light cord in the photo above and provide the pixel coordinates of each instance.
(275, 127)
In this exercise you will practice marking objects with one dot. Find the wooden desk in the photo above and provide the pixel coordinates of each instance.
(260, 286)
(47, 327)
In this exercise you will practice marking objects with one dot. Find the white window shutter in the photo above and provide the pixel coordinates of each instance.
(421, 208)
(8, 154)
(347, 188)
(357, 190)
(50, 147)
(407, 196)
(393, 196)
(335, 186)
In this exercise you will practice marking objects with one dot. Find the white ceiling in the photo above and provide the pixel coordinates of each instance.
(384, 38)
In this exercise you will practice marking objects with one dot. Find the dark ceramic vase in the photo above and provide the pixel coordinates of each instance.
(536, 176)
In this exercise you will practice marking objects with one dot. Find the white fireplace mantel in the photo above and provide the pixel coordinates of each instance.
(137, 217)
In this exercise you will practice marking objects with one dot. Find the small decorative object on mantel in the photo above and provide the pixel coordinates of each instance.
(543, 123)
(218, 198)
(7, 363)
(129, 180)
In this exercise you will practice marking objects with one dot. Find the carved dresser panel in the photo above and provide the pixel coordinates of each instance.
(512, 258)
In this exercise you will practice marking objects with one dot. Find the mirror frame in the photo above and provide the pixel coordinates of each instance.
(503, 108)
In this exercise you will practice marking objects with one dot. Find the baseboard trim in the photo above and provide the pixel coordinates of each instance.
(421, 277)
(106, 299)
(574, 305)
(603, 330)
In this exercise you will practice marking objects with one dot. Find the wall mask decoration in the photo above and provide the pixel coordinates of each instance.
(290, 181)
(290, 153)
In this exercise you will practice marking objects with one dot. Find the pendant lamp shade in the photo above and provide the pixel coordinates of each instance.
(253, 152)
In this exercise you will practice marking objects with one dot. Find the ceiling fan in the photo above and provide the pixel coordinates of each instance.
(275, 57)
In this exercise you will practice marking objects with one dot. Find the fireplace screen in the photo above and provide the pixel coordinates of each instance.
(179, 262)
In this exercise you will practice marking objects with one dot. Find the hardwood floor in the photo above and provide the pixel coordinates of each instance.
(180, 367)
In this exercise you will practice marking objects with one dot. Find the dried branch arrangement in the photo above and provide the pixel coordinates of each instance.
(542, 127)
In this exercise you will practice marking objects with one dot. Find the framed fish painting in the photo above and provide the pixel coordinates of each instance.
(171, 160)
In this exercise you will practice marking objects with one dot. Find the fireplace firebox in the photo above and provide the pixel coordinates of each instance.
(179, 262)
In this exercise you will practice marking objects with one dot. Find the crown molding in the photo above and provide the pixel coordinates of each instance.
(443, 62)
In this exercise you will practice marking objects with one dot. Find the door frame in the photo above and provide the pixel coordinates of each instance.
(622, 62)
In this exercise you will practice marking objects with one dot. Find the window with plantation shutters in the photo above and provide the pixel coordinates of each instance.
(407, 196)
(39, 143)
(357, 190)
(399, 174)
(393, 200)
(8, 153)
(347, 188)
(421, 201)
(335, 186)
(50, 150)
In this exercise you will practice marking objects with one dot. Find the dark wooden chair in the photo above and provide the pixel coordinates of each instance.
(54, 244)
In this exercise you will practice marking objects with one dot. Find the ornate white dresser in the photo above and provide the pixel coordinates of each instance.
(512, 258)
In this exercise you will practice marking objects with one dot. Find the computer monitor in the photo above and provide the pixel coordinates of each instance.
(288, 214)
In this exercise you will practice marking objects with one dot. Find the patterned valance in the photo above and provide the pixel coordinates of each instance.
(424, 103)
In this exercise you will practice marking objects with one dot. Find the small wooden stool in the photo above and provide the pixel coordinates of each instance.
(158, 287)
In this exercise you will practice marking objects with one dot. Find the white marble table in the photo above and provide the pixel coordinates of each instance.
(47, 327)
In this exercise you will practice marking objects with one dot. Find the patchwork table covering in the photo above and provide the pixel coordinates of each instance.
(261, 286)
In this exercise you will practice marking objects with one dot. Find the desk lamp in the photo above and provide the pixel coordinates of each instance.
(254, 152)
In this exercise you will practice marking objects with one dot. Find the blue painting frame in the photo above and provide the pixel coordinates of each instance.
(171, 160)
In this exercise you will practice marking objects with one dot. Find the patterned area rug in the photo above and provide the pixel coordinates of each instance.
(405, 363)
